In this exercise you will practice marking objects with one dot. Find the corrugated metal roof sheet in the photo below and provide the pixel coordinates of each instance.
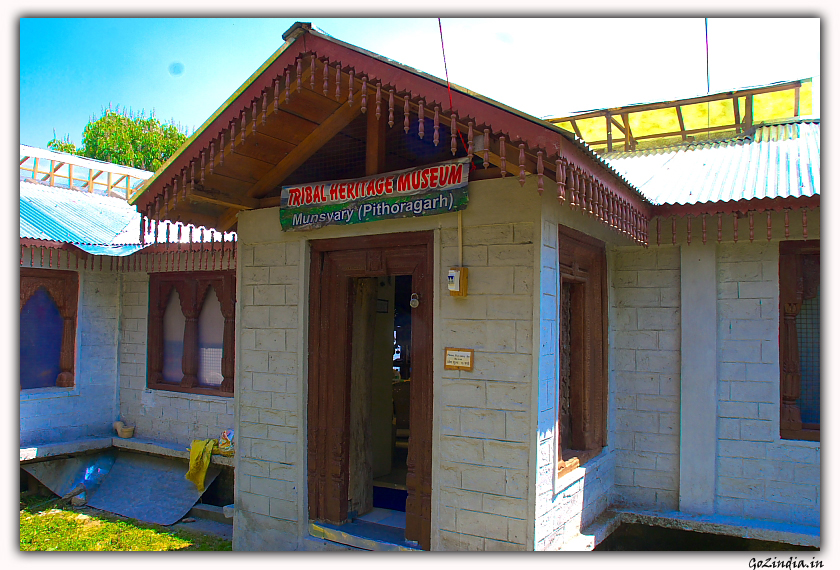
(97, 224)
(775, 161)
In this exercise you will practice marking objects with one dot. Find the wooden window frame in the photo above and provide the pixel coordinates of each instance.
(582, 262)
(192, 288)
(792, 293)
(63, 289)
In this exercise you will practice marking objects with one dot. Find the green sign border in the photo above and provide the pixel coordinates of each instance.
(352, 212)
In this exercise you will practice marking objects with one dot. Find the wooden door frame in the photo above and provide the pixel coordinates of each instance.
(333, 263)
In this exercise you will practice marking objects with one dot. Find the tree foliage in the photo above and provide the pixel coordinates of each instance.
(123, 138)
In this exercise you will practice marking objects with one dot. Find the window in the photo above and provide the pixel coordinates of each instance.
(191, 332)
(48, 305)
(799, 339)
(581, 406)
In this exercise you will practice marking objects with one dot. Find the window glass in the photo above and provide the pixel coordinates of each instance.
(566, 366)
(173, 340)
(41, 331)
(808, 339)
(211, 327)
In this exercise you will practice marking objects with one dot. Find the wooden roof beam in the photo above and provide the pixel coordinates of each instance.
(223, 199)
(682, 102)
(310, 145)
(300, 154)
(375, 141)
(577, 130)
(673, 133)
(682, 122)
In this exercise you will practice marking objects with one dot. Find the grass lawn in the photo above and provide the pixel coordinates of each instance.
(52, 524)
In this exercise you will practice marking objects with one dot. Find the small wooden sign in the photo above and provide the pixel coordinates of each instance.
(458, 358)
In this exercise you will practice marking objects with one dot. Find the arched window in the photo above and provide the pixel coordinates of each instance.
(191, 332)
(41, 327)
(48, 304)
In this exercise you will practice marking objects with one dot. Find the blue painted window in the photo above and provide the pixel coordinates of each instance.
(808, 339)
(41, 330)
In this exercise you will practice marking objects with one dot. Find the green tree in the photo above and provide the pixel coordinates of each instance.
(123, 138)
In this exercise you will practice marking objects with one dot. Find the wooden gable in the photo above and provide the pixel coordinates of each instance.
(320, 109)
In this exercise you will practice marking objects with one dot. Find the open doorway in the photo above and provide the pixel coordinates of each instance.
(380, 399)
(370, 383)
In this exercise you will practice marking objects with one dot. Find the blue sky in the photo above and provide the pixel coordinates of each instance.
(184, 69)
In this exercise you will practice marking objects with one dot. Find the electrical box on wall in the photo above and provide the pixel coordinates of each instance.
(457, 281)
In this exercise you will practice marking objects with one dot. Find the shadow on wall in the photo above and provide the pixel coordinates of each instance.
(637, 537)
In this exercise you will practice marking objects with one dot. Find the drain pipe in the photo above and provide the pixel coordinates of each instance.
(460, 241)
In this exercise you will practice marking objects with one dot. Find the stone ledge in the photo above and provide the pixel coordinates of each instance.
(161, 448)
(165, 449)
(742, 527)
(43, 451)
(590, 537)
(773, 531)
(210, 512)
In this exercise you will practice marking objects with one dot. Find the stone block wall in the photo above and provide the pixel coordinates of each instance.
(483, 435)
(270, 480)
(173, 417)
(89, 408)
(563, 506)
(645, 375)
(485, 422)
(759, 475)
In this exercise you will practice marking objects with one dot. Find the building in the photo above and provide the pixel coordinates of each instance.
(469, 316)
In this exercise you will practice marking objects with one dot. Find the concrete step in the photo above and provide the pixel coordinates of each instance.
(210, 512)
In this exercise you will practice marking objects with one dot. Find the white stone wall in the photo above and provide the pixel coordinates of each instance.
(563, 506)
(270, 433)
(645, 375)
(173, 417)
(483, 435)
(89, 408)
(485, 427)
(759, 475)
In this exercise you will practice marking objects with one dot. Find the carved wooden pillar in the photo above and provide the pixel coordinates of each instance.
(560, 178)
(191, 309)
(156, 312)
(790, 418)
(228, 305)
(68, 344)
(798, 281)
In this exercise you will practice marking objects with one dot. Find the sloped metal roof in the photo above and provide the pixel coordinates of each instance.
(97, 224)
(778, 160)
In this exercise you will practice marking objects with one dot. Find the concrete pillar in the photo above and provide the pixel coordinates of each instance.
(698, 378)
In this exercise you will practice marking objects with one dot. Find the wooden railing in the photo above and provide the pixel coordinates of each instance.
(684, 120)
(84, 174)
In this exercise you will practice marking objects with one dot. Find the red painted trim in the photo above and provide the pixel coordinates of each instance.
(49, 244)
(501, 120)
(742, 206)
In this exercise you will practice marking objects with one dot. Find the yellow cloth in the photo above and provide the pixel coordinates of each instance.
(200, 452)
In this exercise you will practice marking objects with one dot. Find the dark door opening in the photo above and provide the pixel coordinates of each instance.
(392, 400)
(370, 382)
